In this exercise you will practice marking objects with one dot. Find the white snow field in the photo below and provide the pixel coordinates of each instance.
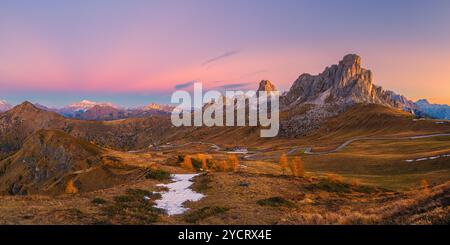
(178, 193)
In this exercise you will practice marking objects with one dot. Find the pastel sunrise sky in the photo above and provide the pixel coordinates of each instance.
(133, 52)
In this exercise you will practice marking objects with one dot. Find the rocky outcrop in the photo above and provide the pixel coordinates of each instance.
(22, 121)
(266, 85)
(313, 98)
(344, 84)
(46, 157)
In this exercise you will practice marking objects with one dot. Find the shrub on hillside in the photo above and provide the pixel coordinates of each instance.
(158, 174)
(98, 201)
(203, 213)
(275, 202)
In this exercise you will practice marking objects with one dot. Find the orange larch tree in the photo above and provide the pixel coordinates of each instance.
(297, 168)
(425, 186)
(224, 166)
(187, 163)
(234, 162)
(71, 188)
(283, 163)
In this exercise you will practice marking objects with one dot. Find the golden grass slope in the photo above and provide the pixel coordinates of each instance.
(49, 160)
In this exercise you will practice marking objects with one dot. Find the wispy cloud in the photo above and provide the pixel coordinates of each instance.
(254, 73)
(222, 56)
(232, 86)
(184, 85)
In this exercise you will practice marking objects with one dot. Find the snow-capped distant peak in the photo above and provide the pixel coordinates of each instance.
(85, 105)
(158, 107)
(438, 111)
(4, 105)
(153, 106)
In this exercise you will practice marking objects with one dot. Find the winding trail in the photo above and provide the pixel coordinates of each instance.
(350, 141)
(308, 150)
(216, 147)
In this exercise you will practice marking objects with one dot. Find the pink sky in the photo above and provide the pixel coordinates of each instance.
(139, 46)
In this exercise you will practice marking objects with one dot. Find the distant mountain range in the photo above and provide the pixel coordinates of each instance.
(436, 111)
(100, 111)
(320, 96)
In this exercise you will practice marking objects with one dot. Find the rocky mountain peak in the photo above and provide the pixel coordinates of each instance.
(85, 105)
(152, 105)
(343, 84)
(158, 107)
(266, 85)
(26, 106)
(351, 60)
(332, 92)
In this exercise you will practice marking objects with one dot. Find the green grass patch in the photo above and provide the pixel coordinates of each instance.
(75, 212)
(276, 202)
(98, 201)
(338, 187)
(123, 198)
(203, 213)
(158, 174)
(133, 208)
(138, 193)
(202, 183)
(180, 158)
(196, 163)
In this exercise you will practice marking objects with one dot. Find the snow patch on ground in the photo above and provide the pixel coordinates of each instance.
(177, 194)
(427, 158)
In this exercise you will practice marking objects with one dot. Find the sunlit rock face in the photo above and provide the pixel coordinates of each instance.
(266, 85)
(313, 98)
(343, 84)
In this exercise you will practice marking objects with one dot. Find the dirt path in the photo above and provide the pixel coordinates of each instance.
(308, 150)
(350, 141)
(214, 146)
